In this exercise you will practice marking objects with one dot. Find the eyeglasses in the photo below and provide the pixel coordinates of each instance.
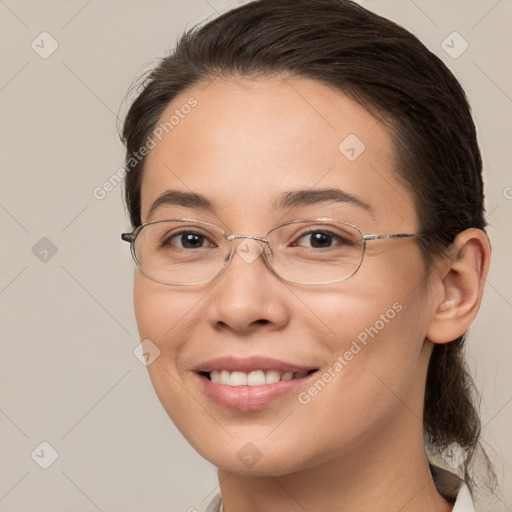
(311, 252)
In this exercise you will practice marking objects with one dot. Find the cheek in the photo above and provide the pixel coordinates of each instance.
(165, 317)
(161, 311)
(386, 308)
(375, 344)
(375, 336)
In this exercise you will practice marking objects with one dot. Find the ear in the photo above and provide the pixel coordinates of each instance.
(462, 279)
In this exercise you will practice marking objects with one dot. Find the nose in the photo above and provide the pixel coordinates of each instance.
(248, 294)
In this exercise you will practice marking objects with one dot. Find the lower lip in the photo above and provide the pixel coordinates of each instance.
(250, 398)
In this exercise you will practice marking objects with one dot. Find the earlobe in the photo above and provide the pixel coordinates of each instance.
(462, 283)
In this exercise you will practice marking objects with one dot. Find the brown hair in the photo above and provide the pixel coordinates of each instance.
(390, 72)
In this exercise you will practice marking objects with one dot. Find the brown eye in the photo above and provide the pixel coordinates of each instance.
(320, 239)
(187, 240)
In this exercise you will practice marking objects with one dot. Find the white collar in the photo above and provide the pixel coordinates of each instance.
(464, 502)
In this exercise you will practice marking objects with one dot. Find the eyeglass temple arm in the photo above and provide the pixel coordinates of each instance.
(395, 235)
(128, 237)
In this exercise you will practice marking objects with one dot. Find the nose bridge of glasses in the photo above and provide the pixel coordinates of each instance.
(245, 247)
(251, 237)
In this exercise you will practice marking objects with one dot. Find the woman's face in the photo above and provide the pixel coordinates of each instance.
(244, 145)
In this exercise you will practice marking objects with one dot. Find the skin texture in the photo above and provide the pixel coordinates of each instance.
(359, 442)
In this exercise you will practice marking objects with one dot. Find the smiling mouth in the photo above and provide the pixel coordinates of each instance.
(253, 378)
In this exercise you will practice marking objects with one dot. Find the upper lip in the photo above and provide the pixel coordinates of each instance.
(249, 364)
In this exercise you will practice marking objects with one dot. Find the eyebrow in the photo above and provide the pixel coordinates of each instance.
(299, 198)
(287, 200)
(179, 198)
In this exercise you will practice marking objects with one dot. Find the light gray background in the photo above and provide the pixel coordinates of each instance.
(68, 373)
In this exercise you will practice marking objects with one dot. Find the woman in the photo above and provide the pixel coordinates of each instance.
(306, 195)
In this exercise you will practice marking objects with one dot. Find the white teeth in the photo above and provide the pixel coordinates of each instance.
(272, 376)
(238, 379)
(254, 378)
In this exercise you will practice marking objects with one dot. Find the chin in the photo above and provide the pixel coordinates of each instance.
(248, 460)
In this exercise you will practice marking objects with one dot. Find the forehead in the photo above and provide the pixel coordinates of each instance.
(243, 143)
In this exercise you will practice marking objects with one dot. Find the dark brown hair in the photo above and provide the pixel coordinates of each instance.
(392, 74)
